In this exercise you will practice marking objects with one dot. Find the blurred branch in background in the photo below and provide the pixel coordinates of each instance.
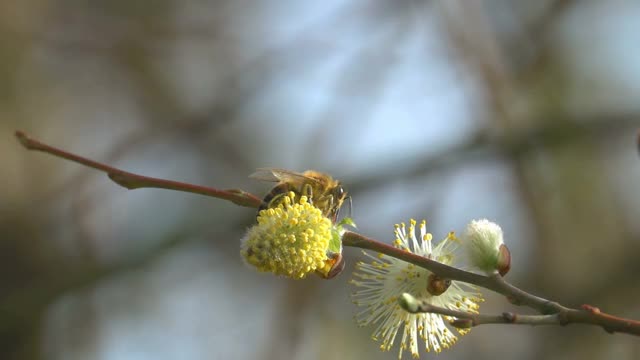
(22, 310)
(489, 143)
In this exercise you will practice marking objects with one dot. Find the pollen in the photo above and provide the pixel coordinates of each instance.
(291, 239)
(382, 277)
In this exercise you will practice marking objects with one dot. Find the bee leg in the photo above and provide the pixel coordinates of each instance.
(307, 191)
(276, 200)
(333, 212)
(350, 206)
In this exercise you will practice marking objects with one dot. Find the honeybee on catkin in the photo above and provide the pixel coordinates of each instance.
(321, 190)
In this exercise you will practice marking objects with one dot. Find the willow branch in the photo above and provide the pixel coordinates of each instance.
(134, 181)
(557, 314)
(465, 319)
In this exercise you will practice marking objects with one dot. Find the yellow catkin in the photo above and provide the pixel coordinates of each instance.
(291, 239)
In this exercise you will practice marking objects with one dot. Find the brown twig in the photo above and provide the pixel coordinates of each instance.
(465, 319)
(552, 312)
(134, 181)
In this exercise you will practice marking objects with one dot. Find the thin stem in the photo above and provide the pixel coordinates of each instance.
(495, 283)
(134, 181)
(552, 312)
(465, 319)
(449, 272)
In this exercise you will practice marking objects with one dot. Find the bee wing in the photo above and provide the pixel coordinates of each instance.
(265, 174)
(278, 175)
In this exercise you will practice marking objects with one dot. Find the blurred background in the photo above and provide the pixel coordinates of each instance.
(522, 112)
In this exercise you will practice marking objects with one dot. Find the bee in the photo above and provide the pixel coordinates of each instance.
(321, 190)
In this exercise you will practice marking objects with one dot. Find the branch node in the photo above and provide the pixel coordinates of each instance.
(121, 180)
(23, 138)
(592, 309)
(551, 307)
(510, 317)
